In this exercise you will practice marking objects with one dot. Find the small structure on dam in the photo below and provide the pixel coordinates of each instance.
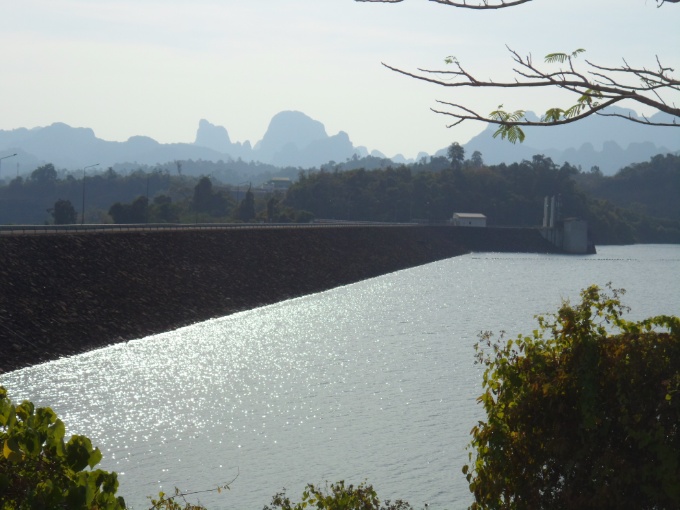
(569, 234)
(468, 220)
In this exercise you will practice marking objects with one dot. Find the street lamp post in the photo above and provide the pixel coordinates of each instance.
(82, 218)
(5, 157)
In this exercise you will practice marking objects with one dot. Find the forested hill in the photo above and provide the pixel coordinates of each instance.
(651, 188)
(638, 204)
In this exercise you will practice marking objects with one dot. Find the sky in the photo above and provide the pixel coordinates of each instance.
(156, 67)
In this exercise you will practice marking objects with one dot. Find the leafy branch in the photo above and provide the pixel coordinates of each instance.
(597, 87)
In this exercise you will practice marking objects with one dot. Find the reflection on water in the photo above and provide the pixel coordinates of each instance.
(373, 381)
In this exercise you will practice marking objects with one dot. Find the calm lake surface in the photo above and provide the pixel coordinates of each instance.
(372, 381)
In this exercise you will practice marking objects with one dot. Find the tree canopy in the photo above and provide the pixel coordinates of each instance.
(637, 205)
(337, 496)
(44, 173)
(594, 86)
(583, 413)
(135, 212)
(63, 212)
(246, 209)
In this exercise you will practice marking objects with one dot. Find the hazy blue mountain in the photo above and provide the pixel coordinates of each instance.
(75, 148)
(336, 148)
(293, 139)
(212, 136)
(290, 127)
(59, 142)
(217, 139)
(607, 142)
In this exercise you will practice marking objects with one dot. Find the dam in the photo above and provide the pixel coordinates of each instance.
(68, 292)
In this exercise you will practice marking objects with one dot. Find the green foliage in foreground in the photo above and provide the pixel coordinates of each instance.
(39, 470)
(578, 415)
(337, 496)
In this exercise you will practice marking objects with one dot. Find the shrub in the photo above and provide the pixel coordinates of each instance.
(337, 496)
(578, 416)
(38, 470)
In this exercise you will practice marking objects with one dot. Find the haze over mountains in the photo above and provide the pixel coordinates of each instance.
(295, 140)
(608, 142)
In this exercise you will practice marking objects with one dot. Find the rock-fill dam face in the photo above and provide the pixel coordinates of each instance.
(66, 293)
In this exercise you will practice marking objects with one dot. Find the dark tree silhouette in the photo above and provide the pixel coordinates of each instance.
(136, 212)
(63, 212)
(202, 195)
(246, 209)
(456, 154)
(44, 173)
(476, 160)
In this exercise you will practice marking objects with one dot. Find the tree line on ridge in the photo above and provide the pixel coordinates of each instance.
(638, 204)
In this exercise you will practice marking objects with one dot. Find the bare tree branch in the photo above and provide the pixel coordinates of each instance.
(480, 4)
(472, 115)
(596, 87)
(486, 4)
(644, 119)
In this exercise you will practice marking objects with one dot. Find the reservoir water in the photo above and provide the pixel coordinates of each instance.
(372, 381)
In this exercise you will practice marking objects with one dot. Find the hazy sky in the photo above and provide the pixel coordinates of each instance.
(156, 67)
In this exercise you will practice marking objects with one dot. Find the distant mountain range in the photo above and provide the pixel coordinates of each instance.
(607, 142)
(294, 139)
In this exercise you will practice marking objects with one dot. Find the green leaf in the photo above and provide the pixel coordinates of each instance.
(55, 437)
(32, 445)
(553, 115)
(95, 458)
(556, 57)
(7, 410)
(512, 133)
(25, 410)
(574, 111)
(78, 452)
(45, 488)
(11, 450)
(90, 490)
(561, 58)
